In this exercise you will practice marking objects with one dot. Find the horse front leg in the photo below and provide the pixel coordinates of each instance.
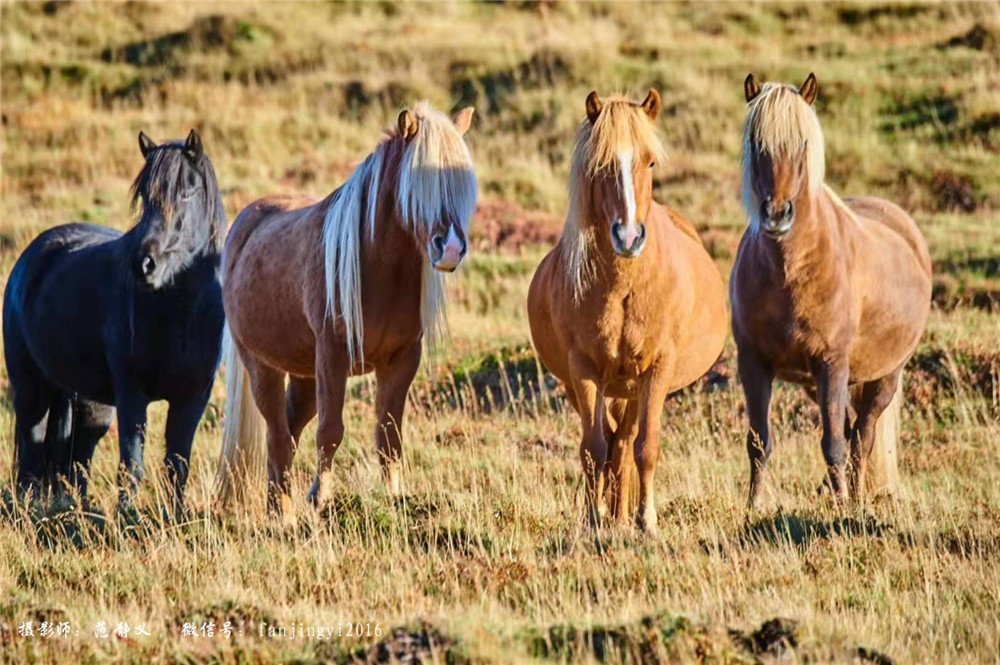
(131, 406)
(647, 446)
(394, 379)
(831, 390)
(332, 369)
(589, 394)
(757, 381)
(621, 492)
(182, 424)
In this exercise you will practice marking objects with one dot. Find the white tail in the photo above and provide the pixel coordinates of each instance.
(242, 462)
(883, 473)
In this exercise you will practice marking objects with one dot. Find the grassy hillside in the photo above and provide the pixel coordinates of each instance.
(487, 559)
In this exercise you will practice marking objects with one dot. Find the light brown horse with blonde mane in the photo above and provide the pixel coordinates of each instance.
(320, 291)
(627, 308)
(826, 293)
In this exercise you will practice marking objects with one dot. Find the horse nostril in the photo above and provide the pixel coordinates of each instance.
(148, 265)
(789, 210)
(642, 234)
(618, 230)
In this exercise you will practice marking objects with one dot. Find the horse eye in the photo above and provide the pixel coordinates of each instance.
(652, 164)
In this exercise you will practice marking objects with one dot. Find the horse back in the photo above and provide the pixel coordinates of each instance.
(873, 210)
(267, 210)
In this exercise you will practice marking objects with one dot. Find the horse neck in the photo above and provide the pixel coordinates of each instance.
(391, 243)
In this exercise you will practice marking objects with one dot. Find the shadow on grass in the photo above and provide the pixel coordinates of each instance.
(648, 640)
(801, 531)
(63, 522)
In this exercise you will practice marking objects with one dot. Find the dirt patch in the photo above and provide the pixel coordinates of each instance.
(490, 90)
(985, 129)
(243, 621)
(205, 33)
(932, 373)
(359, 99)
(419, 643)
(954, 192)
(866, 655)
(774, 639)
(858, 15)
(950, 294)
(978, 37)
(652, 639)
(942, 190)
(505, 225)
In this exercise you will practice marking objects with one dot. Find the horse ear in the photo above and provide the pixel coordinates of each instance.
(407, 124)
(146, 144)
(192, 146)
(751, 88)
(464, 120)
(594, 106)
(651, 105)
(809, 89)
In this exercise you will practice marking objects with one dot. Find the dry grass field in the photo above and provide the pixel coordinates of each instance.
(487, 558)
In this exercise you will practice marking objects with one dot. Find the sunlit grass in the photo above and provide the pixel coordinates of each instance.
(489, 546)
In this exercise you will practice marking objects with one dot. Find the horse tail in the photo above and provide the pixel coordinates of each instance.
(883, 473)
(241, 464)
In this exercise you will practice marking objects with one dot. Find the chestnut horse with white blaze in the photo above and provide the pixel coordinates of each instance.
(627, 308)
(320, 291)
(830, 294)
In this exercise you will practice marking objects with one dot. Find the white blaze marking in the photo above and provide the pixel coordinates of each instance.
(453, 239)
(628, 189)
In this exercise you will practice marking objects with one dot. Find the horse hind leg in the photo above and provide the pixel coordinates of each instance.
(32, 398)
(871, 402)
(268, 387)
(300, 404)
(58, 441)
(91, 421)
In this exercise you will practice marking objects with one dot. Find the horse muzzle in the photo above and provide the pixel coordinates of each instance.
(776, 220)
(446, 253)
(628, 240)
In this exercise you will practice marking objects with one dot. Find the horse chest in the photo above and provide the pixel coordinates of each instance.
(173, 348)
(622, 333)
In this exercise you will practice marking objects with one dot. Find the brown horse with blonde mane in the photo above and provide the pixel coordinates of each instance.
(320, 291)
(627, 308)
(826, 293)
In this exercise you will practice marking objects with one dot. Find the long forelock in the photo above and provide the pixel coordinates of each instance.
(621, 128)
(159, 179)
(159, 182)
(781, 124)
(436, 176)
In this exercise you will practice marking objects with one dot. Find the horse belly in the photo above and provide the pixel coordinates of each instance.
(263, 298)
(63, 329)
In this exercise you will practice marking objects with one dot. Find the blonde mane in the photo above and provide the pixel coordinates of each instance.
(780, 123)
(622, 126)
(435, 179)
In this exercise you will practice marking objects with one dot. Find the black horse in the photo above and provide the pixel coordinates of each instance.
(94, 319)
